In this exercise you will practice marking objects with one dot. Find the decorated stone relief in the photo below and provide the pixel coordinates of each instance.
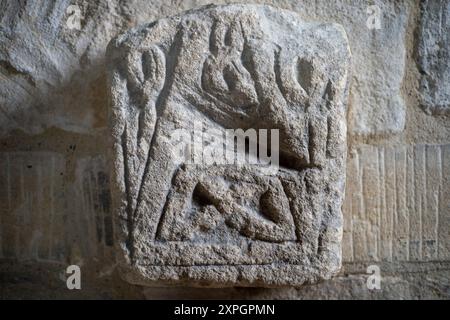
(229, 142)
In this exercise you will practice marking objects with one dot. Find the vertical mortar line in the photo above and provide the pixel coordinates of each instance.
(79, 188)
(438, 200)
(99, 191)
(8, 172)
(418, 200)
(82, 187)
(92, 246)
(362, 215)
(91, 212)
(405, 202)
(111, 210)
(8, 200)
(352, 216)
(424, 200)
(401, 200)
(8, 163)
(383, 197)
(395, 226)
(6, 205)
(40, 214)
(75, 214)
(93, 191)
(351, 228)
(84, 214)
(52, 209)
(102, 243)
(2, 208)
(383, 208)
(444, 205)
(24, 201)
(361, 187)
(394, 213)
(414, 194)
(377, 204)
(411, 201)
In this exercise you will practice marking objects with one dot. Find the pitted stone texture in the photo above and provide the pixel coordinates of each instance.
(53, 76)
(378, 107)
(39, 222)
(397, 204)
(434, 56)
(51, 64)
(229, 67)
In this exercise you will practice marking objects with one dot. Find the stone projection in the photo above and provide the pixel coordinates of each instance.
(187, 80)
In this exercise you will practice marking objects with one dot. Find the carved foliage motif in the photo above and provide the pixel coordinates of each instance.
(230, 67)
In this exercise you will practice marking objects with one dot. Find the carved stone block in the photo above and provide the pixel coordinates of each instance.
(220, 224)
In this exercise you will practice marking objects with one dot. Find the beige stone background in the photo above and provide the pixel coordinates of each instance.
(54, 183)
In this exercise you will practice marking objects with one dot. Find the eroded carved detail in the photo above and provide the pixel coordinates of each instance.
(237, 66)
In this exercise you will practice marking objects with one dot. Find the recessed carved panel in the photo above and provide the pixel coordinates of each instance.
(212, 223)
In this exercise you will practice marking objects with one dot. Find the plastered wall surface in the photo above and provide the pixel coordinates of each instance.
(55, 199)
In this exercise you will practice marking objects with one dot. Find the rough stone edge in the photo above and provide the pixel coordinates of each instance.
(135, 273)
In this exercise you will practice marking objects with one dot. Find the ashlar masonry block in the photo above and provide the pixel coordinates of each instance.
(209, 223)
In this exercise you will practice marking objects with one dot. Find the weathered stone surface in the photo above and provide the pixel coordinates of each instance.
(31, 210)
(53, 96)
(434, 55)
(397, 205)
(378, 59)
(48, 215)
(407, 281)
(378, 104)
(51, 64)
(56, 79)
(223, 225)
(378, 55)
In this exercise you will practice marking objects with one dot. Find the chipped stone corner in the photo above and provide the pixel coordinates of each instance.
(213, 224)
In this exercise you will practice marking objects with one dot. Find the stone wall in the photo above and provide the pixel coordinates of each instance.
(55, 201)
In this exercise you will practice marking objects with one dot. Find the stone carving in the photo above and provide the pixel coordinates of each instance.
(229, 67)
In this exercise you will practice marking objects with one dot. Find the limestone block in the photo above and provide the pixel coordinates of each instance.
(434, 55)
(397, 204)
(209, 223)
(90, 225)
(51, 64)
(48, 215)
(379, 63)
(51, 58)
(31, 207)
